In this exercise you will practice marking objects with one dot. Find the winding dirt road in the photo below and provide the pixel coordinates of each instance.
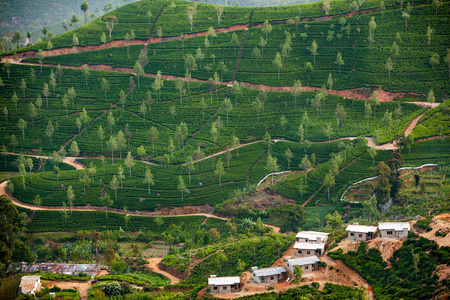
(153, 265)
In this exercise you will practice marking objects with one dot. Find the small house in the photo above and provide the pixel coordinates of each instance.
(308, 264)
(30, 284)
(307, 249)
(395, 230)
(361, 232)
(224, 285)
(269, 275)
(312, 237)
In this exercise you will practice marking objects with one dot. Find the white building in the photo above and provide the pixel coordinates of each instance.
(312, 237)
(30, 284)
(307, 249)
(395, 230)
(361, 232)
(308, 264)
(269, 275)
(224, 285)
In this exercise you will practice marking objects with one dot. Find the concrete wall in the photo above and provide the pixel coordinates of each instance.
(304, 252)
(394, 234)
(305, 268)
(223, 289)
(360, 236)
(269, 279)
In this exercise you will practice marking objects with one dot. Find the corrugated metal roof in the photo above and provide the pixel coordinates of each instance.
(309, 246)
(28, 283)
(397, 226)
(311, 235)
(269, 271)
(223, 280)
(361, 228)
(303, 261)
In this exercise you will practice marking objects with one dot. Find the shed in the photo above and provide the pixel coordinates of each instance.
(224, 285)
(312, 237)
(308, 249)
(395, 230)
(361, 232)
(308, 264)
(30, 284)
(269, 275)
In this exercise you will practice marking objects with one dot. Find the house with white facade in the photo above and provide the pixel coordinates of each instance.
(308, 249)
(308, 264)
(223, 285)
(394, 230)
(269, 275)
(361, 232)
(312, 237)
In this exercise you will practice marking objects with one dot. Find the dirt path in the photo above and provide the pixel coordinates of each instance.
(153, 265)
(68, 160)
(82, 287)
(88, 207)
(348, 93)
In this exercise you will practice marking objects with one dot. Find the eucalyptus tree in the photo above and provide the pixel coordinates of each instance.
(104, 85)
(74, 150)
(111, 144)
(153, 135)
(39, 104)
(129, 162)
(114, 185)
(22, 124)
(272, 165)
(278, 63)
(288, 155)
(179, 84)
(220, 171)
(305, 165)
(138, 71)
(122, 100)
(111, 121)
(85, 71)
(15, 99)
(121, 142)
(40, 56)
(189, 166)
(313, 50)
(70, 197)
(148, 178)
(227, 106)
(33, 113)
(296, 91)
(197, 155)
(107, 202)
(101, 134)
(181, 186)
(266, 28)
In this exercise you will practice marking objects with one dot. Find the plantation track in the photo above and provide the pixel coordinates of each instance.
(153, 265)
(88, 207)
(346, 93)
(151, 39)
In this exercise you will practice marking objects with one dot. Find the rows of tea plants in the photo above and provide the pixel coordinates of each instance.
(433, 123)
(203, 188)
(311, 10)
(364, 65)
(130, 17)
(10, 163)
(174, 21)
(51, 221)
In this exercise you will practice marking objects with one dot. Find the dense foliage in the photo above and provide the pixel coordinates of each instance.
(403, 279)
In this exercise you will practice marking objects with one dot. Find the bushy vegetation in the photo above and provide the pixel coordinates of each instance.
(412, 272)
(330, 291)
(141, 279)
(48, 221)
